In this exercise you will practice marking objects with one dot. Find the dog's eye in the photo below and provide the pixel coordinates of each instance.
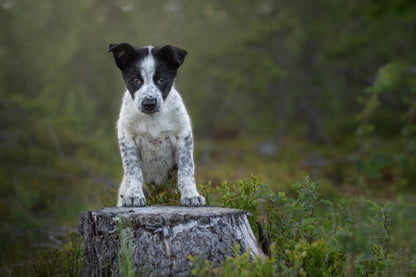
(161, 80)
(137, 82)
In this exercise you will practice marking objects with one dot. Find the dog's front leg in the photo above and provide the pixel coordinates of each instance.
(131, 188)
(186, 180)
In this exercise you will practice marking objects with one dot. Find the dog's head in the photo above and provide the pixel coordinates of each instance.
(149, 72)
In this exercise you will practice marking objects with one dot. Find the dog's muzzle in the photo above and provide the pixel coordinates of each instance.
(150, 105)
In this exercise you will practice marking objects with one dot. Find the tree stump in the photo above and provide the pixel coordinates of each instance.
(162, 237)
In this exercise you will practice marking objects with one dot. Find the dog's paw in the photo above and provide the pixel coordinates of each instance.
(195, 201)
(133, 201)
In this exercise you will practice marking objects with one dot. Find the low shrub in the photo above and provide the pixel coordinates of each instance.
(312, 236)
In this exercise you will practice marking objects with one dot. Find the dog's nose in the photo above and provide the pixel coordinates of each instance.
(149, 105)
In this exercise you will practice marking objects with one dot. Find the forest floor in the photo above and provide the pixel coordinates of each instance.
(279, 165)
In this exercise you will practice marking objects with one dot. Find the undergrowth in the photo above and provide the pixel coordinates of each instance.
(64, 261)
(312, 236)
(124, 258)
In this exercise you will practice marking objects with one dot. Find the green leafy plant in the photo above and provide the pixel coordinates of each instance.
(65, 261)
(166, 194)
(244, 195)
(235, 266)
(72, 252)
(312, 236)
(124, 258)
(207, 192)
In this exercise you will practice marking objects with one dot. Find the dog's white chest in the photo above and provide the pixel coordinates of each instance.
(156, 156)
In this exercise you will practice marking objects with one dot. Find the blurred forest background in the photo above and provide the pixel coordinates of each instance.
(278, 89)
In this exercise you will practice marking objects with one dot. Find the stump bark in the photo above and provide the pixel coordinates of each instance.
(162, 237)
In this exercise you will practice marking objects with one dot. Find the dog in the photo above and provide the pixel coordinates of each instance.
(154, 128)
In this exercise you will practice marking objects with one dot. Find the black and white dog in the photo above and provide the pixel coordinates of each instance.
(154, 129)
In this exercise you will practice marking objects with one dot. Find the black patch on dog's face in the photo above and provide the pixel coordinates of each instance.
(166, 63)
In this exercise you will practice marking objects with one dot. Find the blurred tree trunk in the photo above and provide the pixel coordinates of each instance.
(281, 110)
(313, 117)
(281, 91)
(312, 96)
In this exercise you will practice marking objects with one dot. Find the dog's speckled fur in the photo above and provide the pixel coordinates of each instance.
(154, 139)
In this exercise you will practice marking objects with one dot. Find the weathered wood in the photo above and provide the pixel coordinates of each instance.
(162, 237)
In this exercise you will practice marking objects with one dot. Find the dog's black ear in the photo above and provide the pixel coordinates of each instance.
(124, 54)
(173, 54)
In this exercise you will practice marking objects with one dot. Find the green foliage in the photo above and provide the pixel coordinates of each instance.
(124, 257)
(48, 263)
(73, 251)
(297, 215)
(243, 195)
(373, 165)
(207, 192)
(235, 266)
(53, 262)
(312, 236)
(301, 228)
(395, 78)
(167, 194)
